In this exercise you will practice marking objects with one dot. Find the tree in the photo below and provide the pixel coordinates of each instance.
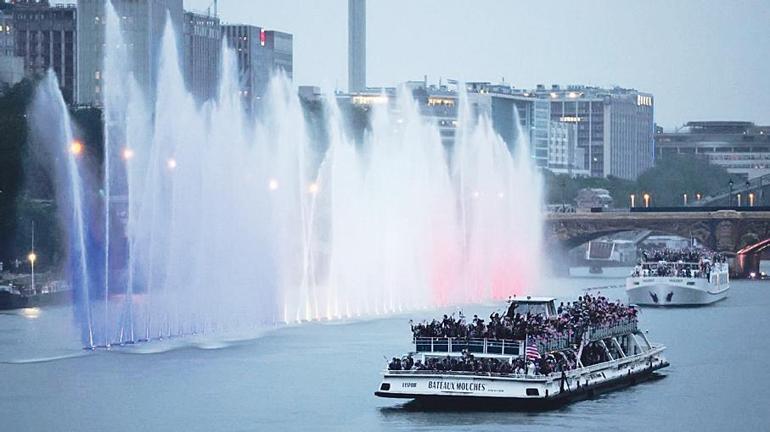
(677, 175)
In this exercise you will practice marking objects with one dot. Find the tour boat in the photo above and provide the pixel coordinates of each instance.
(630, 358)
(14, 297)
(689, 285)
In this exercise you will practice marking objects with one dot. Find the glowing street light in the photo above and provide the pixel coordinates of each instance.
(684, 196)
(647, 198)
(697, 196)
(633, 200)
(32, 257)
(751, 199)
(313, 188)
(128, 153)
(739, 198)
(272, 185)
(171, 164)
(76, 148)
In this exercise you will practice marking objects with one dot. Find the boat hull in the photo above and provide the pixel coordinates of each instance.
(667, 291)
(516, 393)
(10, 301)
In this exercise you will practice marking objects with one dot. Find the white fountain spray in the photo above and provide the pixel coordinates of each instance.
(232, 221)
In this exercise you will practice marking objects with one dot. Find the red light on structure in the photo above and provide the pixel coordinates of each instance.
(262, 37)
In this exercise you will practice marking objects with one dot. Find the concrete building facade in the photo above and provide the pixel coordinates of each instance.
(564, 155)
(260, 54)
(202, 54)
(143, 23)
(614, 127)
(46, 38)
(514, 112)
(741, 147)
(356, 46)
(11, 66)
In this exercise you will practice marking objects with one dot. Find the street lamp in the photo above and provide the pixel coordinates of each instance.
(739, 198)
(633, 200)
(684, 196)
(312, 189)
(32, 257)
(697, 196)
(128, 154)
(646, 200)
(76, 148)
(748, 189)
(730, 184)
(751, 199)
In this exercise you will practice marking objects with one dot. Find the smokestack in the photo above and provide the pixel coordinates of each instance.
(356, 45)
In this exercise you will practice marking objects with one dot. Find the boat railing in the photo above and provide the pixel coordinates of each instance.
(472, 345)
(516, 347)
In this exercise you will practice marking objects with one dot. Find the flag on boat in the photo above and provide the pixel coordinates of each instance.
(532, 352)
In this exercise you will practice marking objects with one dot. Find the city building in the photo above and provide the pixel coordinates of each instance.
(740, 147)
(564, 155)
(260, 54)
(513, 112)
(202, 52)
(11, 66)
(46, 38)
(614, 126)
(143, 23)
(356, 46)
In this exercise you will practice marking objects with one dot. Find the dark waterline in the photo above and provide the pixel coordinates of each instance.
(321, 377)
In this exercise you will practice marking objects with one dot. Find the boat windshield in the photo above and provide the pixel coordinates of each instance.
(531, 308)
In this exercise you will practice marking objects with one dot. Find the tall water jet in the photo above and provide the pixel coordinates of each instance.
(53, 142)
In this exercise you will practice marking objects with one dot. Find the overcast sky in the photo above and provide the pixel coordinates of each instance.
(703, 60)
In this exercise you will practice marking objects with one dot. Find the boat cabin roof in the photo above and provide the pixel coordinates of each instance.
(534, 305)
(530, 299)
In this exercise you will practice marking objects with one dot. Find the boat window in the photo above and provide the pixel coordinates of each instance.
(532, 308)
(533, 392)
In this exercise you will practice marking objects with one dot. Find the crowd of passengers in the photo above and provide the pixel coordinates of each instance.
(691, 263)
(556, 361)
(570, 321)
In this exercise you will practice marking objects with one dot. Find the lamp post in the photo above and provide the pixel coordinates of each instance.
(32, 257)
(633, 200)
(697, 196)
(684, 197)
(748, 190)
(730, 184)
(739, 198)
(563, 194)
(751, 199)
(646, 197)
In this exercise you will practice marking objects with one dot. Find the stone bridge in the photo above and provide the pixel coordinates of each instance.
(743, 235)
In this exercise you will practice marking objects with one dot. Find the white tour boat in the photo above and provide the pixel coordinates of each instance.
(627, 355)
(678, 284)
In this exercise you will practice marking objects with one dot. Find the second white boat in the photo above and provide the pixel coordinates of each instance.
(681, 284)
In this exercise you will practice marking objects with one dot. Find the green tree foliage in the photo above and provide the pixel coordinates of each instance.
(677, 175)
(666, 183)
(27, 192)
(13, 139)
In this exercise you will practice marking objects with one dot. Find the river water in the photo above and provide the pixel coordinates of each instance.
(321, 376)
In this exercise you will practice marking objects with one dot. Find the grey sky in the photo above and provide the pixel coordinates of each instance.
(703, 60)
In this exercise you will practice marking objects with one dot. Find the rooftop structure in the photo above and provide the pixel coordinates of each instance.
(741, 147)
(46, 38)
